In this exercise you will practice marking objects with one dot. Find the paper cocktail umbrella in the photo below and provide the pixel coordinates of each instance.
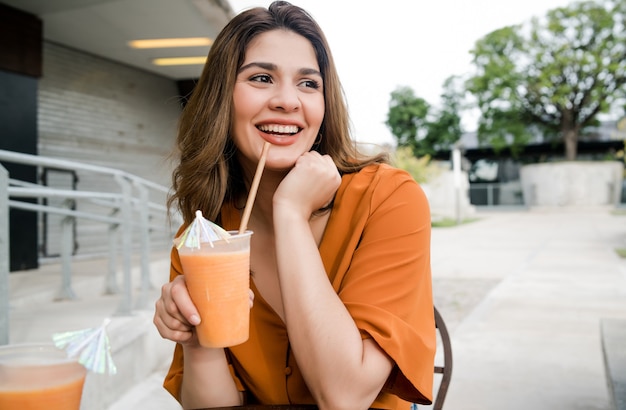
(90, 346)
(201, 230)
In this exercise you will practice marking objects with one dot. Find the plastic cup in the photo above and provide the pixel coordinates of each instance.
(39, 377)
(218, 280)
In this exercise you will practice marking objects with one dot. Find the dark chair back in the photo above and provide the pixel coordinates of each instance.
(446, 368)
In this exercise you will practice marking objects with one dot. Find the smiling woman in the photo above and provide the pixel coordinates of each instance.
(339, 257)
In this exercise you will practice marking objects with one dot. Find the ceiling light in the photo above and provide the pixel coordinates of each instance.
(179, 61)
(171, 42)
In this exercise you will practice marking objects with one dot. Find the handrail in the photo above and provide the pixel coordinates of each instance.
(130, 211)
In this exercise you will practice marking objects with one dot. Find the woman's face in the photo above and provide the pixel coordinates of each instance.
(279, 98)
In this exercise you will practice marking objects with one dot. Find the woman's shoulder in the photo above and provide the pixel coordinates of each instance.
(379, 182)
(382, 173)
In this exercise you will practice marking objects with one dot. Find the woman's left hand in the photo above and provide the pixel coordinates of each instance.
(310, 185)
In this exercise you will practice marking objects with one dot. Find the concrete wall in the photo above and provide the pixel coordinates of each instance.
(572, 183)
(104, 113)
(99, 112)
(442, 196)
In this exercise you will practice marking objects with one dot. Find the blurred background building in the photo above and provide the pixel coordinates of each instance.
(73, 86)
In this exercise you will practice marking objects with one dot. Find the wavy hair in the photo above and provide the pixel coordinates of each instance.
(208, 174)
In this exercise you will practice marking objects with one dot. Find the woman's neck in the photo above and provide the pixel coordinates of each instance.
(262, 207)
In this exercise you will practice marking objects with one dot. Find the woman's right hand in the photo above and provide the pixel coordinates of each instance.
(175, 315)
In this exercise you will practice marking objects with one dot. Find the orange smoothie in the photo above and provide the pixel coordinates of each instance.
(40, 379)
(218, 280)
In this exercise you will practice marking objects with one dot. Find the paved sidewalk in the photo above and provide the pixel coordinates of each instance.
(533, 340)
(523, 293)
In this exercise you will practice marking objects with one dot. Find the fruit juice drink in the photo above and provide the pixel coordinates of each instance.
(218, 279)
(39, 377)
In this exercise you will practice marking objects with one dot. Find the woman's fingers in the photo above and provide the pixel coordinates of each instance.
(310, 185)
(182, 303)
(167, 331)
(175, 314)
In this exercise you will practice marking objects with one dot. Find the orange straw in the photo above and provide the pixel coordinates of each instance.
(253, 188)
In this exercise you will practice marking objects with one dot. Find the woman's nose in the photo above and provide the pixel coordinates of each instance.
(285, 98)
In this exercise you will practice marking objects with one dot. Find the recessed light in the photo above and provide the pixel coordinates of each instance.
(179, 61)
(171, 42)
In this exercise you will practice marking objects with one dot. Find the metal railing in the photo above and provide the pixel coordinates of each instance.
(493, 194)
(130, 211)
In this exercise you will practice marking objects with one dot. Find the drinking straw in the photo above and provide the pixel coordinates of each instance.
(253, 188)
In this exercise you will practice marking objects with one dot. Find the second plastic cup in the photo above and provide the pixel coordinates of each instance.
(39, 377)
(218, 280)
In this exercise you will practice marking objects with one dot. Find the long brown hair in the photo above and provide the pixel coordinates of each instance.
(208, 173)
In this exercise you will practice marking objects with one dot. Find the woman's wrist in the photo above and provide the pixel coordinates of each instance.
(206, 378)
(288, 213)
(197, 354)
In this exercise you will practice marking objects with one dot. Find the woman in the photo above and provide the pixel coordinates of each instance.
(340, 262)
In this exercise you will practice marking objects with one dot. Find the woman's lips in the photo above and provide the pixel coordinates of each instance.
(280, 134)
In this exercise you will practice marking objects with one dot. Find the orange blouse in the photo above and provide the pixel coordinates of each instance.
(376, 251)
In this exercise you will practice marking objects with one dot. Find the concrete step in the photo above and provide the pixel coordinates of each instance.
(148, 394)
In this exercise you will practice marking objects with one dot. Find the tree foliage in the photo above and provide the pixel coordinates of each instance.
(551, 77)
(419, 126)
(420, 168)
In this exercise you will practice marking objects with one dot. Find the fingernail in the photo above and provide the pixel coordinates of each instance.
(194, 319)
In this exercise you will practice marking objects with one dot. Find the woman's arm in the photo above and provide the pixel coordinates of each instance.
(341, 369)
(199, 377)
(207, 381)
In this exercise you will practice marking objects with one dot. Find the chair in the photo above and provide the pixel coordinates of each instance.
(446, 369)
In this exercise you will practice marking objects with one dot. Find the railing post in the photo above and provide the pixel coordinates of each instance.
(111, 287)
(125, 307)
(144, 232)
(4, 256)
(67, 245)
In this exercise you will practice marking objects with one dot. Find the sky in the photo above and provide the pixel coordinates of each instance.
(381, 45)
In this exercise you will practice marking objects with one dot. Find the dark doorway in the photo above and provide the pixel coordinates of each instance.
(18, 132)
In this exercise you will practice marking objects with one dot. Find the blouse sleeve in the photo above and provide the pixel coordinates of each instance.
(174, 377)
(386, 285)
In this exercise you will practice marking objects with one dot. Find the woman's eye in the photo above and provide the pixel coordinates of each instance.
(311, 84)
(261, 78)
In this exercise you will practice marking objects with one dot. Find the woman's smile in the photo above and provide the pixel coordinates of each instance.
(280, 134)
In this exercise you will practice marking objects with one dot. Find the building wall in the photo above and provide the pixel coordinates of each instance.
(99, 112)
(573, 183)
(104, 113)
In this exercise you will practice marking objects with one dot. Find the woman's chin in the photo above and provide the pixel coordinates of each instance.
(279, 168)
(280, 164)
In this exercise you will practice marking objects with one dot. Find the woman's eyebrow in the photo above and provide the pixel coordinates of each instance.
(309, 71)
(264, 66)
(274, 67)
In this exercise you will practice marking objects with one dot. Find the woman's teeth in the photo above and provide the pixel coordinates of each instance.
(278, 129)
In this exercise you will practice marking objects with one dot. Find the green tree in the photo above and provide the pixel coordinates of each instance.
(421, 169)
(551, 78)
(417, 125)
(446, 129)
(406, 118)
